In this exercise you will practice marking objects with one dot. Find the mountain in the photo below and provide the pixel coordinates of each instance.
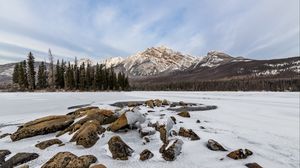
(163, 65)
(152, 61)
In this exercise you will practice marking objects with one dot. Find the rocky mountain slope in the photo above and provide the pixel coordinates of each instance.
(160, 64)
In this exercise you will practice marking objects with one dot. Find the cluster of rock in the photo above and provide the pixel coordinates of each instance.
(86, 125)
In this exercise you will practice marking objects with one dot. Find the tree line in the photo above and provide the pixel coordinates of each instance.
(247, 84)
(67, 76)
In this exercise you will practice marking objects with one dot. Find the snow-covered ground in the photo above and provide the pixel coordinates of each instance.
(265, 122)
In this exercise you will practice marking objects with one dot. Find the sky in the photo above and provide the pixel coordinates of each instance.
(100, 29)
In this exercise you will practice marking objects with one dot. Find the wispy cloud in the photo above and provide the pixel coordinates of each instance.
(99, 29)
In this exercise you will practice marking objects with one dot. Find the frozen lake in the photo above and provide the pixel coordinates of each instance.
(265, 122)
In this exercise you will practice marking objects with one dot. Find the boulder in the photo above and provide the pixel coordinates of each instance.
(184, 114)
(46, 144)
(119, 149)
(169, 153)
(181, 103)
(165, 102)
(101, 115)
(98, 166)
(189, 133)
(157, 103)
(19, 159)
(128, 118)
(163, 134)
(240, 154)
(3, 154)
(42, 126)
(149, 103)
(87, 135)
(214, 145)
(145, 155)
(80, 112)
(198, 121)
(146, 131)
(69, 160)
(253, 165)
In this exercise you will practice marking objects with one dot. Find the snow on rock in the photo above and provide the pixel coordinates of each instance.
(134, 117)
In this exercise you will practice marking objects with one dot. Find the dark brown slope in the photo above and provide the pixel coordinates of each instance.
(273, 69)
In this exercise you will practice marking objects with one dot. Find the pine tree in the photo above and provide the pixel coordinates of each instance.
(88, 76)
(42, 76)
(82, 77)
(76, 74)
(62, 74)
(26, 84)
(57, 75)
(31, 71)
(16, 74)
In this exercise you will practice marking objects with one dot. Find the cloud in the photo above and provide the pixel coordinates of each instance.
(258, 29)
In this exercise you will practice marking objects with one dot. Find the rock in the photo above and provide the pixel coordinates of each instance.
(174, 119)
(146, 140)
(184, 114)
(189, 133)
(146, 154)
(163, 134)
(24, 166)
(214, 145)
(181, 103)
(119, 149)
(165, 102)
(87, 135)
(98, 166)
(201, 127)
(69, 160)
(253, 165)
(19, 159)
(173, 133)
(128, 118)
(4, 135)
(150, 103)
(3, 154)
(173, 105)
(240, 154)
(170, 153)
(157, 103)
(150, 111)
(42, 126)
(198, 121)
(101, 115)
(46, 144)
(81, 111)
(146, 131)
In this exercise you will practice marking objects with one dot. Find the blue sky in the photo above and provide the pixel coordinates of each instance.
(99, 29)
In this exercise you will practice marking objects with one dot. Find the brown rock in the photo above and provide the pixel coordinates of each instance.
(145, 155)
(121, 122)
(87, 135)
(69, 160)
(163, 134)
(98, 166)
(214, 145)
(3, 154)
(46, 144)
(157, 103)
(189, 133)
(147, 131)
(184, 114)
(240, 154)
(150, 103)
(253, 165)
(19, 159)
(170, 153)
(119, 149)
(42, 126)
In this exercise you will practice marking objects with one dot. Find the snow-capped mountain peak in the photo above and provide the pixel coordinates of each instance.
(113, 61)
(156, 60)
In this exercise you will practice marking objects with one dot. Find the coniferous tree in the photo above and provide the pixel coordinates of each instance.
(82, 77)
(57, 75)
(16, 74)
(61, 74)
(76, 74)
(26, 84)
(42, 76)
(31, 71)
(88, 77)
